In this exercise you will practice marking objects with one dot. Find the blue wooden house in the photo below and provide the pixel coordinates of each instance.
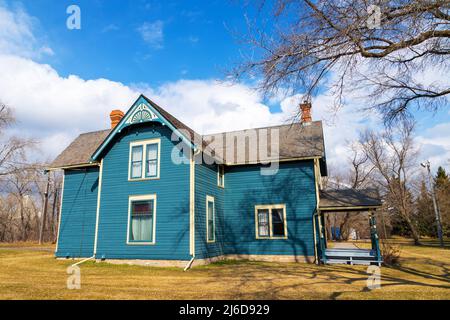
(151, 190)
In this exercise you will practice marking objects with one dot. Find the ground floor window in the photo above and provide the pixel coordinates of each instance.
(141, 219)
(270, 221)
(210, 219)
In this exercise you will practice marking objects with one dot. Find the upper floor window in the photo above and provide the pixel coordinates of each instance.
(221, 175)
(144, 159)
(271, 221)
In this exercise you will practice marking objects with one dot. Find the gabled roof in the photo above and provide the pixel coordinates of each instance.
(296, 141)
(349, 199)
(145, 110)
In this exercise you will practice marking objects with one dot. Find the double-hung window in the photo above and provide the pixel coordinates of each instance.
(136, 161)
(141, 219)
(210, 219)
(270, 221)
(151, 170)
(221, 176)
(144, 159)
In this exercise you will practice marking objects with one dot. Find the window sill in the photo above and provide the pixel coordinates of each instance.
(142, 179)
(271, 238)
(140, 243)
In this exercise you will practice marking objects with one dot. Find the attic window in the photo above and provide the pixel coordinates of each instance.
(144, 160)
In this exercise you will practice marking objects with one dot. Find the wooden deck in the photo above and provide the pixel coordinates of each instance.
(351, 256)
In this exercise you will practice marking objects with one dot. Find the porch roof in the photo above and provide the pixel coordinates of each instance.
(349, 200)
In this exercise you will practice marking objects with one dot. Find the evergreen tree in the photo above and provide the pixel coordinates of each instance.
(442, 185)
(424, 214)
(441, 178)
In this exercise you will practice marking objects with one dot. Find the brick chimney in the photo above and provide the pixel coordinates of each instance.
(115, 116)
(305, 109)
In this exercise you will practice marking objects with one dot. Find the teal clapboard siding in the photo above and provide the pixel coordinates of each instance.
(245, 187)
(206, 185)
(78, 213)
(172, 203)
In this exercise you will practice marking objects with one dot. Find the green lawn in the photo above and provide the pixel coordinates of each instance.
(31, 272)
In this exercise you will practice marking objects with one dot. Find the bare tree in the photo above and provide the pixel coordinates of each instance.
(12, 149)
(7, 221)
(392, 153)
(380, 47)
(21, 186)
(356, 177)
(359, 175)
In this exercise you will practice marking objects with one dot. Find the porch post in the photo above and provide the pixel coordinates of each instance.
(322, 239)
(374, 236)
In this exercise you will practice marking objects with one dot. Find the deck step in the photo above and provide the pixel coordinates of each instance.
(359, 262)
(349, 253)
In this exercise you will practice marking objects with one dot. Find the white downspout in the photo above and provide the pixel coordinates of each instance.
(317, 183)
(189, 264)
(316, 256)
(97, 216)
(192, 208)
(83, 261)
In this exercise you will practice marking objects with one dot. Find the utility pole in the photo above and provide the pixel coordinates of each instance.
(54, 215)
(437, 214)
(44, 214)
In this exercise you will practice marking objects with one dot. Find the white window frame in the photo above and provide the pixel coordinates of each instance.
(269, 207)
(221, 167)
(141, 198)
(210, 199)
(144, 144)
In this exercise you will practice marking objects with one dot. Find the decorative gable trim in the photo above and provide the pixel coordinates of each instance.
(140, 112)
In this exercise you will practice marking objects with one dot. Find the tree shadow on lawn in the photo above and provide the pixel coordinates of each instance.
(241, 276)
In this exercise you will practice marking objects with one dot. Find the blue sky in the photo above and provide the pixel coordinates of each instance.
(63, 82)
(195, 39)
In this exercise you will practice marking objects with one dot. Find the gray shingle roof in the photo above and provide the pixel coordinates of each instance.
(349, 198)
(80, 150)
(295, 141)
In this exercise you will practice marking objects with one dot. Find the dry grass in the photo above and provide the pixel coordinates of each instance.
(31, 273)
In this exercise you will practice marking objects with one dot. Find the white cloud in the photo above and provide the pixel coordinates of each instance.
(16, 34)
(193, 39)
(435, 145)
(47, 105)
(211, 106)
(110, 27)
(55, 109)
(152, 33)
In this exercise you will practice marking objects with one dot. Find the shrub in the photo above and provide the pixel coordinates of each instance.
(390, 253)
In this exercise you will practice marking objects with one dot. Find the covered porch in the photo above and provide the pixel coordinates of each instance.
(341, 201)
